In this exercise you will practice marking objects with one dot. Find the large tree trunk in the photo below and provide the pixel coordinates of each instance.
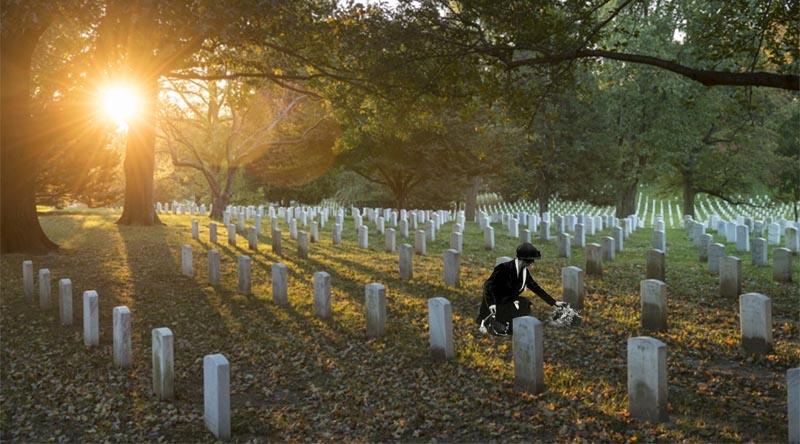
(221, 199)
(472, 199)
(626, 200)
(140, 163)
(20, 148)
(689, 194)
(543, 198)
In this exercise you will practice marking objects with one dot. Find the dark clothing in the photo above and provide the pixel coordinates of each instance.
(504, 287)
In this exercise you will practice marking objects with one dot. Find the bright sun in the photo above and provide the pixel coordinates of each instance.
(120, 103)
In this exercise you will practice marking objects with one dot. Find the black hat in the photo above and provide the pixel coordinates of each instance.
(527, 252)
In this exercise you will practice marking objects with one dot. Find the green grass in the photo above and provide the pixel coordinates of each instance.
(296, 378)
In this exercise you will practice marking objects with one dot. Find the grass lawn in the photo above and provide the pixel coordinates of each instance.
(296, 378)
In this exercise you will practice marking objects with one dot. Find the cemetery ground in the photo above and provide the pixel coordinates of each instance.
(297, 378)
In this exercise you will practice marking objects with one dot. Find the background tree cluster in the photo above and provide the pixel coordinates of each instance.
(424, 103)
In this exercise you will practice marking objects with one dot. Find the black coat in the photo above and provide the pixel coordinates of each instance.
(504, 287)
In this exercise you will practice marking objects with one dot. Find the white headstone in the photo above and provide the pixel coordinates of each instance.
(759, 256)
(276, 242)
(730, 277)
(564, 245)
(302, 244)
(653, 293)
(782, 265)
(280, 284)
(793, 404)
(619, 238)
(702, 248)
(791, 240)
(212, 233)
(217, 395)
(27, 279)
(232, 235)
(742, 238)
(440, 322)
(122, 336)
(647, 379)
(314, 232)
(488, 238)
(580, 236)
(609, 251)
(213, 267)
(655, 267)
(243, 272)
(572, 286)
(91, 318)
(528, 350)
(65, 301)
(594, 259)
(322, 295)
(186, 261)
(252, 238)
(452, 268)
(293, 229)
(406, 258)
(715, 254)
(774, 232)
(755, 317)
(375, 301)
(457, 241)
(390, 240)
(163, 363)
(363, 236)
(660, 241)
(44, 289)
(544, 231)
(419, 242)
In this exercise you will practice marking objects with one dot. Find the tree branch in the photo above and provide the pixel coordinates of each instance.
(708, 78)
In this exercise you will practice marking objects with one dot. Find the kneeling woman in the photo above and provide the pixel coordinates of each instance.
(501, 292)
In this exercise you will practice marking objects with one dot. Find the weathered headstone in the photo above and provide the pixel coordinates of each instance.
(525, 236)
(163, 363)
(122, 336)
(572, 286)
(276, 242)
(647, 379)
(440, 324)
(653, 293)
(375, 301)
(782, 265)
(244, 274)
(655, 267)
(564, 245)
(91, 318)
(513, 228)
(430, 230)
(195, 229)
(44, 289)
(528, 350)
(403, 226)
(419, 242)
(302, 244)
(793, 401)
(186, 261)
(755, 321)
(293, 229)
(65, 301)
(363, 237)
(217, 395)
(406, 258)
(27, 279)
(715, 254)
(314, 232)
(322, 295)
(759, 256)
(594, 259)
(730, 277)
(452, 268)
(609, 253)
